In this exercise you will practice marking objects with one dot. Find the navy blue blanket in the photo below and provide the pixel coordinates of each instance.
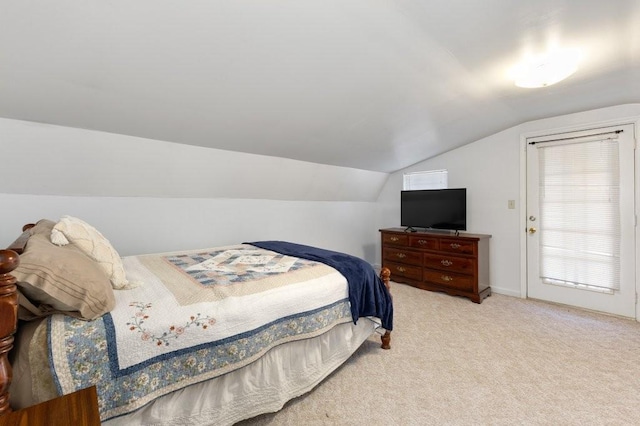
(367, 293)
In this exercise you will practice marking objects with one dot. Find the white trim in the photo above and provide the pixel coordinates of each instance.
(523, 216)
(636, 135)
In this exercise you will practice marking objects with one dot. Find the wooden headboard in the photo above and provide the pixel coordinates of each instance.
(9, 260)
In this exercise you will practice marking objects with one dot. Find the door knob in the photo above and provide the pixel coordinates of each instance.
(532, 230)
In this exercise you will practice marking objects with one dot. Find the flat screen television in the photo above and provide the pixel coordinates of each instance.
(444, 209)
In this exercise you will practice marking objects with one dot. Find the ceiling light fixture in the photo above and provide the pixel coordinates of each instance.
(546, 69)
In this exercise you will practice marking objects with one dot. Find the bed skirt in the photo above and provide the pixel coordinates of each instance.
(264, 386)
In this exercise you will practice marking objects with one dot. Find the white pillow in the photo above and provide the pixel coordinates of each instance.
(92, 243)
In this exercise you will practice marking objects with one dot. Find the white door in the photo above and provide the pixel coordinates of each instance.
(581, 219)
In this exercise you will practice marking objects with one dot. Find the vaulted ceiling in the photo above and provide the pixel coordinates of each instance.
(368, 84)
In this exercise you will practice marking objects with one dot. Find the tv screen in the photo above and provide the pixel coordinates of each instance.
(434, 209)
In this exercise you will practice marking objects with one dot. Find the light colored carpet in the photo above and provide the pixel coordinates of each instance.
(507, 361)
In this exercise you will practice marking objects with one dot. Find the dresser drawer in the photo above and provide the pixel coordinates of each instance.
(402, 255)
(423, 242)
(447, 262)
(407, 271)
(395, 239)
(448, 279)
(457, 246)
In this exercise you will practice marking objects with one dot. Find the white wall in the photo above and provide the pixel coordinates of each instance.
(57, 160)
(137, 225)
(141, 194)
(152, 196)
(492, 171)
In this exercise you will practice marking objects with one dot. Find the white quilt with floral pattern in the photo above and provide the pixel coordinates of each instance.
(198, 315)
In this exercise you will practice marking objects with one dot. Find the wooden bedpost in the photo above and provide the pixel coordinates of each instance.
(385, 276)
(9, 261)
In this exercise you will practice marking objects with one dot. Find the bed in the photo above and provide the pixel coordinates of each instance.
(207, 336)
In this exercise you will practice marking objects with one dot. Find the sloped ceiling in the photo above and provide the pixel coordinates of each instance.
(368, 84)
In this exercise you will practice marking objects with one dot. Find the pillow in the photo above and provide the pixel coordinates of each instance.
(92, 243)
(43, 226)
(54, 279)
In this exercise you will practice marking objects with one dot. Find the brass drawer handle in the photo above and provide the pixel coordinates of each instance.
(422, 242)
(446, 278)
(401, 255)
(446, 262)
(400, 269)
(394, 239)
(455, 245)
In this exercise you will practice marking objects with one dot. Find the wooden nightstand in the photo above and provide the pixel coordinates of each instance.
(79, 409)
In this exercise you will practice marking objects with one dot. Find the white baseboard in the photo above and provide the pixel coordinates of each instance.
(507, 292)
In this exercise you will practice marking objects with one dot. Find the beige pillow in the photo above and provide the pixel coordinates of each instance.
(92, 243)
(43, 226)
(54, 279)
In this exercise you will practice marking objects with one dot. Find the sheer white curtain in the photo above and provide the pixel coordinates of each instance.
(580, 212)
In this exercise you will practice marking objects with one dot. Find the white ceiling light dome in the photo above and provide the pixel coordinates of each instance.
(547, 68)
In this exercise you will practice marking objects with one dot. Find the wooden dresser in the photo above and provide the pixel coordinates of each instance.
(457, 265)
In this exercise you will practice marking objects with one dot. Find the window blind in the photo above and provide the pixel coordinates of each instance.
(431, 179)
(579, 205)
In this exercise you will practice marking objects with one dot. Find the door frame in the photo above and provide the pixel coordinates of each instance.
(635, 122)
